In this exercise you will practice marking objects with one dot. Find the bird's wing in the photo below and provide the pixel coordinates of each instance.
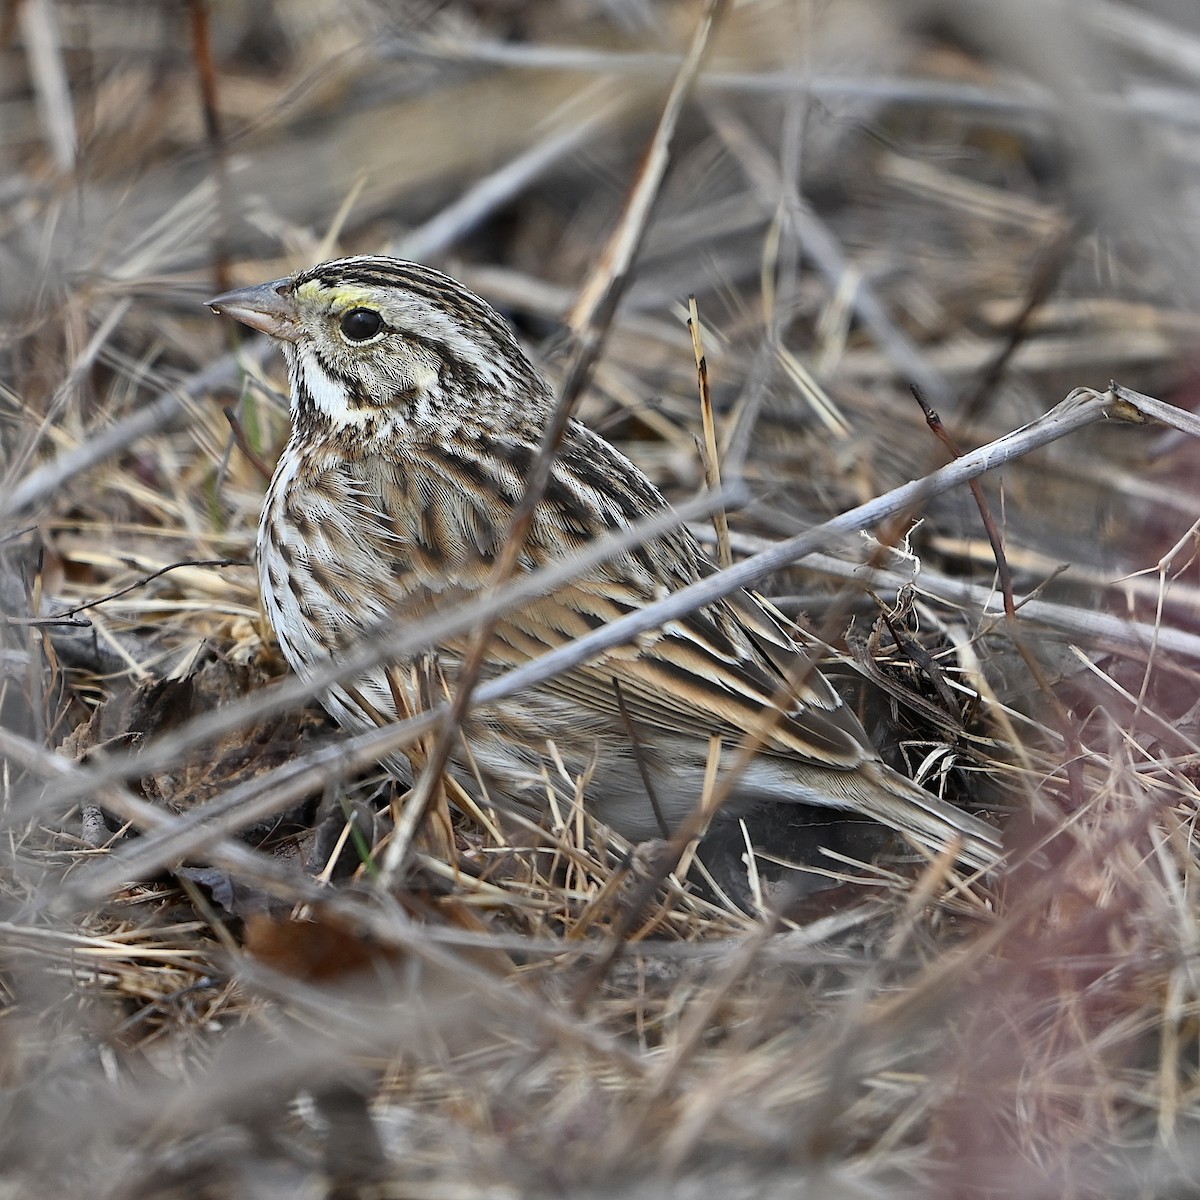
(727, 668)
(702, 674)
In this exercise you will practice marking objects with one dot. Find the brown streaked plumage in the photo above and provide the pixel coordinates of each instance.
(416, 418)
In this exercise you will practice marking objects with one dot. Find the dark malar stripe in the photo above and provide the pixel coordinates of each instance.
(349, 384)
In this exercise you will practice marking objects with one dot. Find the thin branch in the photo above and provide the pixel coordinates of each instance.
(709, 452)
(389, 927)
(1062, 719)
(242, 442)
(164, 410)
(274, 791)
(820, 243)
(995, 538)
(141, 583)
(591, 316)
(1047, 271)
(1079, 410)
(206, 77)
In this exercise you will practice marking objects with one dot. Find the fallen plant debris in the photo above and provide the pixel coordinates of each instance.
(211, 981)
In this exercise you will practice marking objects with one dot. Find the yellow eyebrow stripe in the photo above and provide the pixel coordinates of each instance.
(344, 295)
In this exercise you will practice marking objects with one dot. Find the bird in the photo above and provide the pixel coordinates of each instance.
(416, 420)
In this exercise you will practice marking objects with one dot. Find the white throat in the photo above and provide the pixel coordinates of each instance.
(328, 395)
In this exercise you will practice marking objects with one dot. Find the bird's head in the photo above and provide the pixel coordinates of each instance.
(377, 342)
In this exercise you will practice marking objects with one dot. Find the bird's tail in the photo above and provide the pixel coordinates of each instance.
(888, 797)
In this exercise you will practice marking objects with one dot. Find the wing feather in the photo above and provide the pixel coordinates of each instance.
(729, 668)
(676, 681)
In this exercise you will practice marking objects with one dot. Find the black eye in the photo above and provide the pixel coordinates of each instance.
(361, 324)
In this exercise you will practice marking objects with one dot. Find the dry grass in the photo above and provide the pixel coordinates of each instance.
(203, 989)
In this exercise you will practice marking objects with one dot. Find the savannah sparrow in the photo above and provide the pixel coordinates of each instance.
(416, 417)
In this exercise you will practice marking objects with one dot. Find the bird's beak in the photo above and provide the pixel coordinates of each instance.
(269, 308)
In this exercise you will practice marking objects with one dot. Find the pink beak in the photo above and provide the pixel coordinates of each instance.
(269, 308)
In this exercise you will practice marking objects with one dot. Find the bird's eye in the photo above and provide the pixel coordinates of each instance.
(361, 324)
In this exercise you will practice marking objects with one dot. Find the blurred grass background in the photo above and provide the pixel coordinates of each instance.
(995, 202)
